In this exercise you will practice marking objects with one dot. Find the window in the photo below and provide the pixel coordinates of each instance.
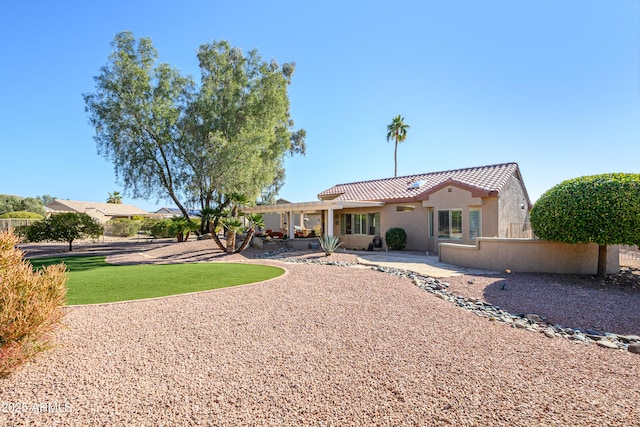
(474, 223)
(450, 224)
(361, 223)
(431, 223)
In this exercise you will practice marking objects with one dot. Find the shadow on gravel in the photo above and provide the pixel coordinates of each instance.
(584, 302)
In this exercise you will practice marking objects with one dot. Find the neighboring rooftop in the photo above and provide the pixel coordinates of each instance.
(483, 181)
(107, 209)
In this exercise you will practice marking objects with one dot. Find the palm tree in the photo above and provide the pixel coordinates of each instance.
(397, 130)
(115, 197)
(255, 220)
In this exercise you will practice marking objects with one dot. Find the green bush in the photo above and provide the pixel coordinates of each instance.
(31, 305)
(123, 227)
(21, 215)
(396, 238)
(158, 228)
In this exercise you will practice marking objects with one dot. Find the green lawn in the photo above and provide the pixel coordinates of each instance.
(92, 280)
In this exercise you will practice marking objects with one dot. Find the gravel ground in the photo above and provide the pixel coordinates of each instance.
(326, 345)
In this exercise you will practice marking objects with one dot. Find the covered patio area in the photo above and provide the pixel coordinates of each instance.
(326, 209)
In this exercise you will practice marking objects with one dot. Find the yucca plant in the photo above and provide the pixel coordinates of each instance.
(329, 244)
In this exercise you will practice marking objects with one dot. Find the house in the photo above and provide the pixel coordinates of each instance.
(103, 212)
(454, 206)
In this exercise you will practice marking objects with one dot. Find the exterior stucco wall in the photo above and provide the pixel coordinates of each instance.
(529, 256)
(452, 197)
(356, 241)
(413, 222)
(513, 207)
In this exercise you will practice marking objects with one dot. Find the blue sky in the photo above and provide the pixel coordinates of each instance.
(552, 85)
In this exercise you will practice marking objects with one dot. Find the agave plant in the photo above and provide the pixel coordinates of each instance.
(329, 244)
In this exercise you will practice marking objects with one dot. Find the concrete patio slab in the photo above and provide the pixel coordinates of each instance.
(422, 264)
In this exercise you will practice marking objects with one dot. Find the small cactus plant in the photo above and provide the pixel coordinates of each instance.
(329, 244)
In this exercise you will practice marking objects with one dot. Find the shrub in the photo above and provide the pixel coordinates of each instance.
(158, 228)
(21, 214)
(396, 238)
(329, 244)
(31, 305)
(124, 227)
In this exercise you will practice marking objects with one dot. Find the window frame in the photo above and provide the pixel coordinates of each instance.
(478, 229)
(450, 219)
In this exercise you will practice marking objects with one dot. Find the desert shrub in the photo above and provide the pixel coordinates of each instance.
(21, 214)
(30, 305)
(396, 238)
(124, 227)
(159, 228)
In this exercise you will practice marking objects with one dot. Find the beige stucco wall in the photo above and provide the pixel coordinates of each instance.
(513, 207)
(529, 256)
(452, 197)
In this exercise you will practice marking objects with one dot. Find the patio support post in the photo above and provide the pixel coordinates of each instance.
(290, 232)
(329, 222)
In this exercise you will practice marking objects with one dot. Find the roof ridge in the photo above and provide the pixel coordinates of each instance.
(424, 174)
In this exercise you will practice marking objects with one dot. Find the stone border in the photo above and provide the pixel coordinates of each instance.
(528, 322)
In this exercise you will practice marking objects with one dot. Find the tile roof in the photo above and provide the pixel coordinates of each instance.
(481, 181)
(107, 209)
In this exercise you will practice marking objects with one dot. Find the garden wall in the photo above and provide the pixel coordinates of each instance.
(529, 256)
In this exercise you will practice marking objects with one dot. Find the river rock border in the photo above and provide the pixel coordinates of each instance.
(528, 322)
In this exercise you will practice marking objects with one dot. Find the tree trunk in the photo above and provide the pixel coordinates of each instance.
(250, 233)
(395, 160)
(70, 248)
(602, 261)
(231, 241)
(216, 238)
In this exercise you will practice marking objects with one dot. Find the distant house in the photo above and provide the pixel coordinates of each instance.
(103, 212)
(450, 206)
(166, 213)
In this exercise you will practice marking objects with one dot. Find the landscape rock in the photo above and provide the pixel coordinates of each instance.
(634, 348)
(257, 243)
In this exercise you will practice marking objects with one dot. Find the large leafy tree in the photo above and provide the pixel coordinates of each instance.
(238, 129)
(64, 227)
(602, 209)
(168, 136)
(397, 131)
(136, 110)
(11, 203)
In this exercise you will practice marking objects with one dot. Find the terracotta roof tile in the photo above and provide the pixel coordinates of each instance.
(482, 179)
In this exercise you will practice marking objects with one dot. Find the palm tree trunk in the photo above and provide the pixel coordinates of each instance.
(231, 241)
(247, 240)
(215, 236)
(395, 159)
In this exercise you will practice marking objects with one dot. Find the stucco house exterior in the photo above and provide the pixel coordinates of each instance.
(103, 212)
(454, 206)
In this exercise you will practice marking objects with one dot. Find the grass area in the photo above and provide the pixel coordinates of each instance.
(93, 281)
